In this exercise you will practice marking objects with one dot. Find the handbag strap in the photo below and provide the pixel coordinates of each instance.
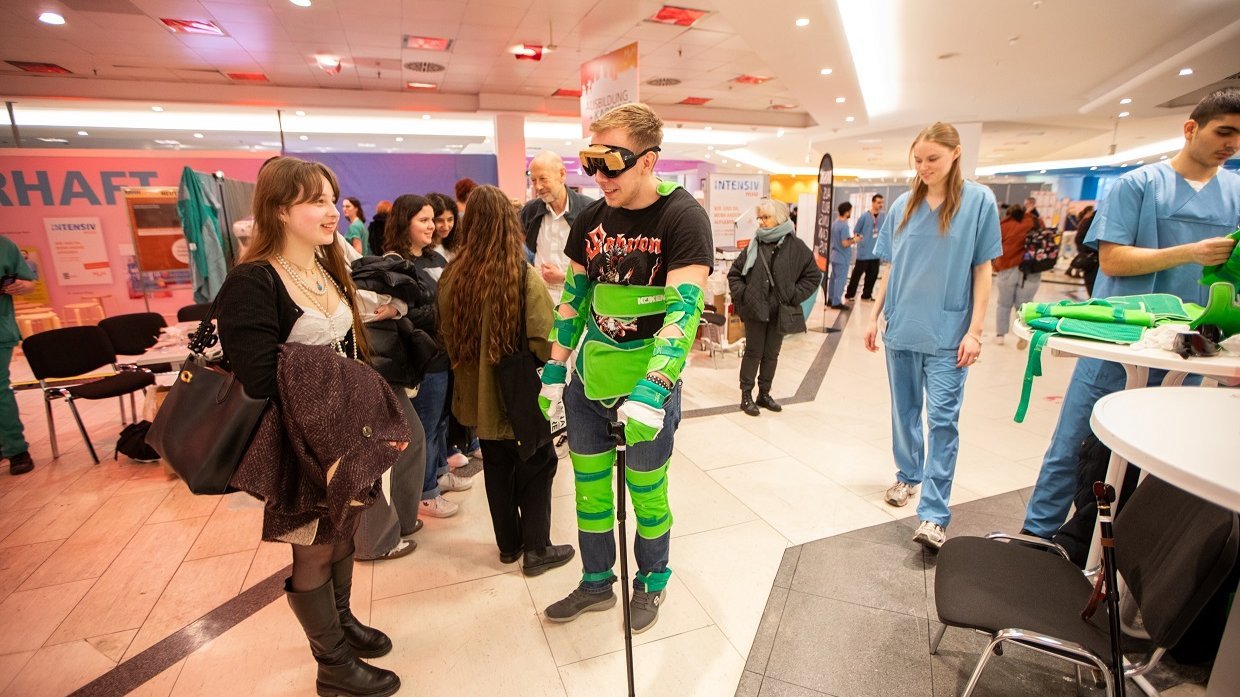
(770, 275)
(205, 336)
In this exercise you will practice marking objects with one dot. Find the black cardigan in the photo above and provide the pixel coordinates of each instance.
(256, 315)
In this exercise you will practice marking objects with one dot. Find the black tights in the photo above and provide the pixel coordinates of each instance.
(312, 564)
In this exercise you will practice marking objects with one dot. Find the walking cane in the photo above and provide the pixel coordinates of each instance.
(617, 437)
(1108, 583)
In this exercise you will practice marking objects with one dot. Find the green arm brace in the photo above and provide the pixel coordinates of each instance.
(684, 311)
(566, 331)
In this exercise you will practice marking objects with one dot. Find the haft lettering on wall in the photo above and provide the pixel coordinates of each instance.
(36, 187)
(78, 251)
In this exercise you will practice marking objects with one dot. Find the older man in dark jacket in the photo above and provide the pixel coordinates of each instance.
(548, 218)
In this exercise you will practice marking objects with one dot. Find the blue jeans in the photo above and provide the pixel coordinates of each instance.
(589, 425)
(835, 285)
(1092, 380)
(12, 436)
(933, 379)
(431, 404)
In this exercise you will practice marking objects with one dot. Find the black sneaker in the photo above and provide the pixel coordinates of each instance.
(644, 609)
(536, 563)
(580, 601)
(21, 463)
(767, 402)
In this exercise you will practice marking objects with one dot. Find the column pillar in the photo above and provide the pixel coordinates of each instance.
(510, 153)
(970, 147)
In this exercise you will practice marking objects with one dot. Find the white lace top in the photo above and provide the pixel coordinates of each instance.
(313, 328)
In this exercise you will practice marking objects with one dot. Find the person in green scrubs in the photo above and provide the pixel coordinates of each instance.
(18, 279)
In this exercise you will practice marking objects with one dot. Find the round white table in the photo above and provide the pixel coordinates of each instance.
(1186, 437)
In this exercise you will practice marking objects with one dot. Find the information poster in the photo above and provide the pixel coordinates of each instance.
(730, 199)
(159, 243)
(78, 251)
(606, 83)
(38, 295)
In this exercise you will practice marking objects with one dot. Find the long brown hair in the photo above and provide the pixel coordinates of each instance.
(396, 231)
(284, 182)
(946, 135)
(485, 282)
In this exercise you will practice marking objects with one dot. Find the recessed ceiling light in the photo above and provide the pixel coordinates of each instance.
(53, 140)
(803, 22)
(157, 108)
(850, 119)
(1041, 171)
(299, 112)
(825, 71)
(708, 128)
(421, 85)
(779, 133)
(1123, 114)
(83, 133)
(51, 18)
(303, 137)
(1125, 100)
(427, 43)
(301, 3)
(198, 135)
(840, 100)
(365, 145)
(1093, 168)
(400, 139)
(328, 62)
(1140, 162)
(708, 156)
(426, 117)
(1184, 72)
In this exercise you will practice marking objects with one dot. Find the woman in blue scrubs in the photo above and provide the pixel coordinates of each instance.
(940, 238)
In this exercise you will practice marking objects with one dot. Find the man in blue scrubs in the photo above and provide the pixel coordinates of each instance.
(841, 253)
(865, 231)
(1156, 229)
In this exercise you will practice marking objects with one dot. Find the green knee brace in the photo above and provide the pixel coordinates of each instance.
(655, 581)
(596, 505)
(649, 493)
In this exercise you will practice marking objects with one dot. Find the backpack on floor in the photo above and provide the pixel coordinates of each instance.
(132, 443)
(1041, 250)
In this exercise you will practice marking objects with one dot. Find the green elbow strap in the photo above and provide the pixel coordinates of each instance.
(566, 331)
(684, 311)
(650, 505)
(596, 510)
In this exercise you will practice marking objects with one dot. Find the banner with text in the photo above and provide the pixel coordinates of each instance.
(607, 82)
(730, 199)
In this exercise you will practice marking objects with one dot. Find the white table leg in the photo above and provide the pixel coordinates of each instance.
(1226, 674)
(1174, 379)
(1135, 376)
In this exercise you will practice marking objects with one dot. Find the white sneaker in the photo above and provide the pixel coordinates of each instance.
(930, 535)
(458, 460)
(439, 507)
(899, 494)
(454, 482)
(1000, 340)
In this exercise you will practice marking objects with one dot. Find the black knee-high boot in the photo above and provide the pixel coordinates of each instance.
(366, 642)
(341, 674)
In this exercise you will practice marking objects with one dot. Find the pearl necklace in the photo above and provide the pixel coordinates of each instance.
(316, 270)
(336, 343)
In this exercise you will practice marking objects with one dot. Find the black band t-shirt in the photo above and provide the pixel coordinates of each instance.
(639, 247)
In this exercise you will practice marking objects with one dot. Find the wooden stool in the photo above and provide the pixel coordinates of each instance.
(84, 314)
(35, 322)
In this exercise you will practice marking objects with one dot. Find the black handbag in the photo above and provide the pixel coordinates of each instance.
(791, 320)
(205, 425)
(518, 382)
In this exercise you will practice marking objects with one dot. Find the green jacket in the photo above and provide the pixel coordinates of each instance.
(11, 262)
(475, 397)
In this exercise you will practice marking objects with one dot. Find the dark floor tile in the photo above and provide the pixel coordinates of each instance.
(1019, 672)
(897, 533)
(787, 566)
(844, 649)
(856, 571)
(778, 688)
(751, 683)
(979, 523)
(760, 652)
(1009, 505)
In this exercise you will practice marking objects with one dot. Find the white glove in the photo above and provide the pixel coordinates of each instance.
(642, 422)
(551, 402)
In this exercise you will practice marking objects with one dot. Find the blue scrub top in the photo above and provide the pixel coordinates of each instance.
(929, 301)
(1156, 208)
(840, 255)
(868, 228)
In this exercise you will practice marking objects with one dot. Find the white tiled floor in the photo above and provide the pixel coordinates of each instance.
(97, 563)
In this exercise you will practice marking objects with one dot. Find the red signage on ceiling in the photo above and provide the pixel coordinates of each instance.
(695, 101)
(39, 67)
(751, 79)
(247, 77)
(678, 16)
(528, 52)
(575, 94)
(192, 26)
(427, 43)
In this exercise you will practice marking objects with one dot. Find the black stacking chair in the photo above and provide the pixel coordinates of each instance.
(1172, 549)
(73, 352)
(193, 313)
(132, 335)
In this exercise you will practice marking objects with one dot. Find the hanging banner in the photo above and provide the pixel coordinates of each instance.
(824, 215)
(730, 199)
(607, 82)
(78, 251)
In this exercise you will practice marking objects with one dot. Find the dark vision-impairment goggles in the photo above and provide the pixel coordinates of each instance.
(611, 160)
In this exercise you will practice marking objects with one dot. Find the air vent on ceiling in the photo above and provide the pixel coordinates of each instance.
(424, 67)
(663, 82)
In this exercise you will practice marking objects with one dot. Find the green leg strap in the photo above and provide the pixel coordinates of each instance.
(650, 506)
(1033, 368)
(598, 576)
(655, 581)
(596, 507)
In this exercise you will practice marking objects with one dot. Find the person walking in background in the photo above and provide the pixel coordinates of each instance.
(463, 188)
(842, 242)
(377, 226)
(492, 304)
(1086, 259)
(940, 239)
(865, 232)
(769, 281)
(16, 278)
(547, 219)
(357, 234)
(1013, 286)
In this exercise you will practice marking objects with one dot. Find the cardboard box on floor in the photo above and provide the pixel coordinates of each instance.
(736, 329)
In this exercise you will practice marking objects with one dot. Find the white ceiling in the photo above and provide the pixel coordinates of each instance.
(1043, 77)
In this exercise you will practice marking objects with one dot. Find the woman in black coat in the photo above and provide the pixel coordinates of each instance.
(774, 253)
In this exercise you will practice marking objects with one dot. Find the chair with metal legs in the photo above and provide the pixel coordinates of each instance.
(74, 352)
(1172, 549)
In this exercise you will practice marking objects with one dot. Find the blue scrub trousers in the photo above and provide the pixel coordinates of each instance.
(431, 405)
(835, 285)
(934, 380)
(1052, 496)
(12, 436)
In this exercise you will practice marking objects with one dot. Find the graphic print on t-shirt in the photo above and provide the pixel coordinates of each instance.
(622, 259)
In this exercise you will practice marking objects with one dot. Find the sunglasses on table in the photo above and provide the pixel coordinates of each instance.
(1202, 343)
(611, 160)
